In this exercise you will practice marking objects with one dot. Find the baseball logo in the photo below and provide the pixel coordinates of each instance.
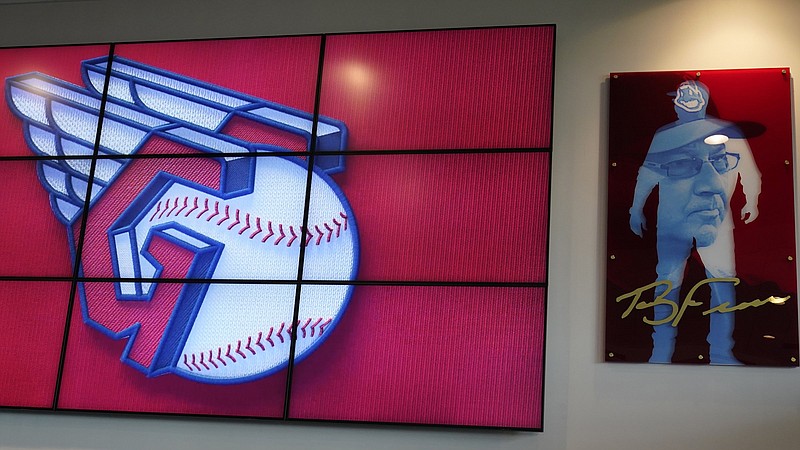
(177, 237)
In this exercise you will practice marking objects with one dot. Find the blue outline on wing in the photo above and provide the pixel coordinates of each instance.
(16, 87)
(41, 132)
(247, 107)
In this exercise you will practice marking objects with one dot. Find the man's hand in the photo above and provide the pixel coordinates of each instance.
(749, 212)
(638, 222)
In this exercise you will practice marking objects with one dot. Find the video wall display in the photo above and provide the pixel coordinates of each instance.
(342, 227)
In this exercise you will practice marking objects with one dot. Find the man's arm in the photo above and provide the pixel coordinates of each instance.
(646, 180)
(749, 176)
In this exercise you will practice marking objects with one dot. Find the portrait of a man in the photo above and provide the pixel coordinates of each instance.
(691, 189)
(696, 161)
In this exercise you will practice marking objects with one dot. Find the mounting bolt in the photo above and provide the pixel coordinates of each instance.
(699, 356)
(613, 257)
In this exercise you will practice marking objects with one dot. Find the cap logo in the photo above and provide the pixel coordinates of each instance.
(690, 97)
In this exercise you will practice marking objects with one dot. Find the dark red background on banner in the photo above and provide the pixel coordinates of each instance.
(466, 355)
(759, 102)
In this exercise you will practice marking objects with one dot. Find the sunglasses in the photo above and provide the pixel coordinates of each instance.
(689, 167)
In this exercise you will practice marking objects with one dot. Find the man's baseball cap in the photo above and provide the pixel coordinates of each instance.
(677, 135)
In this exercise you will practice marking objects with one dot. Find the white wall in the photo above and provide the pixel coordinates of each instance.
(588, 404)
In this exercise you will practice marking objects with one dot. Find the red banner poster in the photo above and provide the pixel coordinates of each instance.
(701, 243)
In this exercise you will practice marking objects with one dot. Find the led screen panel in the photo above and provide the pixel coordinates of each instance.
(260, 91)
(458, 355)
(281, 70)
(483, 89)
(229, 234)
(28, 97)
(33, 316)
(118, 359)
(33, 237)
(457, 217)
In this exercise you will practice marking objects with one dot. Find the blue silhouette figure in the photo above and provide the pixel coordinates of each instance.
(696, 163)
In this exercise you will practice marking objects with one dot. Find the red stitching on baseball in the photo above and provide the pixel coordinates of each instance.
(269, 337)
(173, 208)
(258, 227)
(237, 222)
(202, 362)
(216, 212)
(269, 228)
(248, 347)
(338, 226)
(314, 325)
(246, 220)
(320, 234)
(303, 328)
(258, 342)
(185, 205)
(205, 209)
(227, 215)
(330, 232)
(166, 206)
(229, 354)
(307, 329)
(283, 235)
(315, 233)
(158, 208)
(280, 331)
(193, 208)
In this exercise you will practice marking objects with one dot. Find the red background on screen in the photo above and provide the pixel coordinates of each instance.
(455, 217)
(33, 314)
(464, 355)
(455, 89)
(59, 62)
(429, 354)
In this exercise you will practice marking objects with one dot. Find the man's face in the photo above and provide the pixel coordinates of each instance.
(692, 196)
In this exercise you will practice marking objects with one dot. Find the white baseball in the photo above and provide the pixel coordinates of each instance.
(243, 331)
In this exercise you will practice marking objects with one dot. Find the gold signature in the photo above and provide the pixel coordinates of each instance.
(678, 311)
